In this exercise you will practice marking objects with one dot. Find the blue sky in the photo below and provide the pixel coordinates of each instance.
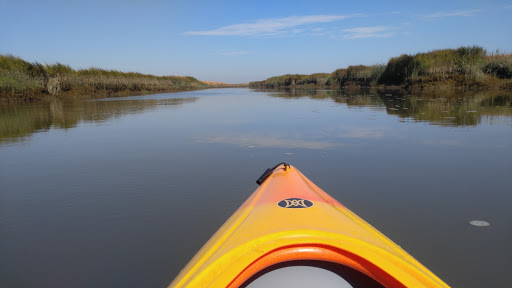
(241, 41)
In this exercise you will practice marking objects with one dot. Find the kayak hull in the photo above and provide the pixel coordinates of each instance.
(288, 218)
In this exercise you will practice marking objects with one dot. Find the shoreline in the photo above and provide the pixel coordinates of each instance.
(84, 93)
(87, 93)
(81, 92)
(452, 82)
(448, 84)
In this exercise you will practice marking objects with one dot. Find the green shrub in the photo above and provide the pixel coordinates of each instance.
(469, 60)
(499, 65)
(399, 70)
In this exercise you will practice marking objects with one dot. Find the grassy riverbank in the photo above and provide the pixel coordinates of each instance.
(24, 81)
(465, 67)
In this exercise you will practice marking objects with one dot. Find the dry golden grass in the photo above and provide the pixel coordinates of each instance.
(213, 83)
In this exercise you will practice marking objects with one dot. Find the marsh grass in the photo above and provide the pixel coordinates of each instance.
(464, 66)
(313, 80)
(20, 77)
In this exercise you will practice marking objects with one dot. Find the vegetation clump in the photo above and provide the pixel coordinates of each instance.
(467, 67)
(313, 80)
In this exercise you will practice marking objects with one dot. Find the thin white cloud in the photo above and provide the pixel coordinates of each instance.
(367, 32)
(231, 53)
(270, 27)
(457, 13)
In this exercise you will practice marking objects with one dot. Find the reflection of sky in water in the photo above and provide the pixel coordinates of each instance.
(269, 142)
(334, 137)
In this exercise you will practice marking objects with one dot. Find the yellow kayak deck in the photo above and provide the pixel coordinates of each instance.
(288, 218)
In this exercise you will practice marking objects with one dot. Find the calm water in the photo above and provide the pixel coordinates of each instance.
(122, 192)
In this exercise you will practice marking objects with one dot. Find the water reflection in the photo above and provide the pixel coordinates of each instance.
(253, 141)
(19, 121)
(450, 108)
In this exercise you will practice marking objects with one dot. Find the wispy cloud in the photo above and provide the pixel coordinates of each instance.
(319, 29)
(457, 13)
(270, 27)
(367, 32)
(231, 53)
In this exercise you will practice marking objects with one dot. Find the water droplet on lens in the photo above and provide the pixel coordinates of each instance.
(479, 223)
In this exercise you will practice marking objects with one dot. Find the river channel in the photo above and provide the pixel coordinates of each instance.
(121, 192)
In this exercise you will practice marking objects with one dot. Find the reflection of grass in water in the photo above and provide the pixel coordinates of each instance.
(454, 109)
(22, 121)
(357, 97)
(449, 107)
(461, 110)
(18, 121)
(440, 111)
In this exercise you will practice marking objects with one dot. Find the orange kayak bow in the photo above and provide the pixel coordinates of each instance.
(289, 221)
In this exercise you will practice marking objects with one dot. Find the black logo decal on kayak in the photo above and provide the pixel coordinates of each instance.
(295, 203)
